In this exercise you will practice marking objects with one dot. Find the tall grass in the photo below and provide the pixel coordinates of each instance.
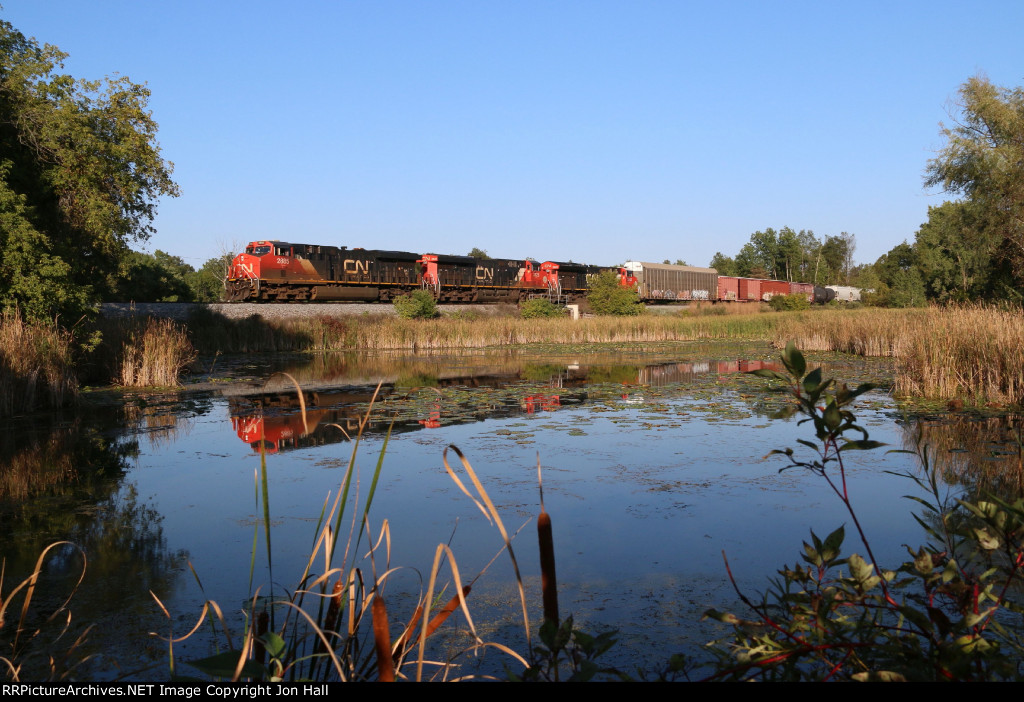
(146, 351)
(865, 332)
(36, 366)
(212, 334)
(973, 353)
(32, 635)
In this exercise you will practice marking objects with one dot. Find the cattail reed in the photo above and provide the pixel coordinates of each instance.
(546, 541)
(259, 650)
(382, 641)
(439, 618)
(548, 582)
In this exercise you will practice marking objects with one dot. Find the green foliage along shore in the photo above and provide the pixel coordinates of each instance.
(80, 175)
(607, 297)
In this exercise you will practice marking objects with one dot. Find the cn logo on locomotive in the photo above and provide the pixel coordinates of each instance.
(352, 265)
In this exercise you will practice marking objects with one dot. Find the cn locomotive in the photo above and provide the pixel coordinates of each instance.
(280, 271)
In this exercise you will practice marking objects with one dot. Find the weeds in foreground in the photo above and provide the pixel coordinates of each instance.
(337, 623)
(27, 637)
(950, 612)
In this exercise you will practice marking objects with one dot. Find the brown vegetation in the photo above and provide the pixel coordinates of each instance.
(36, 366)
(144, 352)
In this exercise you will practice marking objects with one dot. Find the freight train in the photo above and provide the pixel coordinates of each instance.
(280, 271)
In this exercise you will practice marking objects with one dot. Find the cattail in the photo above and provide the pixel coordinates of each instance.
(262, 622)
(333, 614)
(446, 612)
(382, 640)
(548, 582)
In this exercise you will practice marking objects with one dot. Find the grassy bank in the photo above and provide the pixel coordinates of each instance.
(36, 366)
(973, 355)
(142, 352)
(970, 354)
(213, 333)
(41, 365)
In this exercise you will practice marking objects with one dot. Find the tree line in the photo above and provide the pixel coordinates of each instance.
(790, 255)
(970, 249)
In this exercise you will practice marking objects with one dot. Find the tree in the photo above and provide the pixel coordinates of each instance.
(955, 252)
(901, 282)
(723, 264)
(836, 256)
(983, 161)
(80, 174)
(158, 277)
(480, 254)
(608, 296)
(207, 284)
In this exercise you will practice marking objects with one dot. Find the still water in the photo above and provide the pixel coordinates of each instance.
(652, 461)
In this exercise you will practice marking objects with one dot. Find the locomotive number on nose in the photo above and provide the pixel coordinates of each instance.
(282, 261)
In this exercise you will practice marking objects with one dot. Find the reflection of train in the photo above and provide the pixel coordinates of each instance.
(275, 421)
(280, 271)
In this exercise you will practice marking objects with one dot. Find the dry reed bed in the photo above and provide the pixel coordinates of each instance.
(970, 353)
(865, 332)
(146, 351)
(450, 333)
(36, 366)
(973, 354)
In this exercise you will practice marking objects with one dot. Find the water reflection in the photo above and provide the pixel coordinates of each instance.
(277, 421)
(66, 480)
(651, 471)
(983, 454)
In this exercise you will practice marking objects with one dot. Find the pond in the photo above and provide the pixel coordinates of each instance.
(652, 465)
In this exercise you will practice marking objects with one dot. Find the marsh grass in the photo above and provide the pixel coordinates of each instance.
(972, 354)
(213, 333)
(145, 351)
(36, 366)
(969, 354)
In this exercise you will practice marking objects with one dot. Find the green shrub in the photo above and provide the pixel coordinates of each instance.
(418, 304)
(608, 296)
(951, 611)
(782, 303)
(540, 307)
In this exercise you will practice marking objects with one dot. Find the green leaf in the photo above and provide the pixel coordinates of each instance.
(812, 381)
(223, 665)
(834, 541)
(275, 646)
(862, 445)
(794, 361)
(724, 617)
(832, 418)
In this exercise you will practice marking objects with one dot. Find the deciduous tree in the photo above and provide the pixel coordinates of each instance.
(983, 161)
(80, 176)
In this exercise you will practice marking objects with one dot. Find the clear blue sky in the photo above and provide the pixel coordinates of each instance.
(594, 131)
